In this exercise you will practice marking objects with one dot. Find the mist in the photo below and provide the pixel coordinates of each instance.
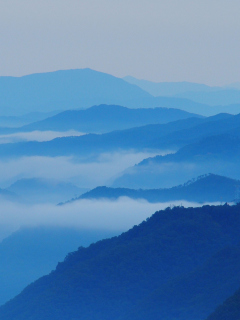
(37, 136)
(118, 215)
(86, 173)
(170, 174)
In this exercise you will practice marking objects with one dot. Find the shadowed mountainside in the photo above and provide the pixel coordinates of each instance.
(114, 278)
(29, 253)
(229, 310)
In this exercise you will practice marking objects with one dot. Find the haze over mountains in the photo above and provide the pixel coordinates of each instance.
(73, 89)
(212, 96)
(207, 188)
(103, 118)
(156, 137)
(169, 88)
(83, 88)
(37, 190)
(138, 147)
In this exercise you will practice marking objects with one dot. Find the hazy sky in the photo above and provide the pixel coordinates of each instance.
(159, 40)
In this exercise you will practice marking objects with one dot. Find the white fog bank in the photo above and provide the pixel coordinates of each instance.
(118, 215)
(85, 173)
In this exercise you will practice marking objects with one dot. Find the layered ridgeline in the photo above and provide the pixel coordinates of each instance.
(32, 252)
(103, 118)
(172, 135)
(218, 154)
(180, 263)
(39, 190)
(213, 96)
(170, 88)
(207, 188)
(74, 89)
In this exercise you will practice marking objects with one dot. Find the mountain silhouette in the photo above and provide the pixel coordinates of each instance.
(206, 188)
(115, 278)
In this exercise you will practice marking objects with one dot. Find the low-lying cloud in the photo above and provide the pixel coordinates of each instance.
(85, 173)
(37, 136)
(117, 215)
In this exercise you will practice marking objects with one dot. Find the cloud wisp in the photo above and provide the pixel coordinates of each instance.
(37, 136)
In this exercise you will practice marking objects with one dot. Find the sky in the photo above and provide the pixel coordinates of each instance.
(167, 40)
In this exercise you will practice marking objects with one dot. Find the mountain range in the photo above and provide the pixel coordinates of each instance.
(103, 118)
(170, 136)
(180, 263)
(83, 88)
(218, 154)
(206, 188)
(169, 88)
(201, 93)
(77, 89)
(39, 190)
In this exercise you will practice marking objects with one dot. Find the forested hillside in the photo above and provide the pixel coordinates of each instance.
(124, 277)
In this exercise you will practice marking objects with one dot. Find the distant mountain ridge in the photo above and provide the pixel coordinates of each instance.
(38, 190)
(66, 89)
(207, 188)
(74, 89)
(171, 136)
(212, 96)
(169, 88)
(104, 118)
(218, 154)
(83, 88)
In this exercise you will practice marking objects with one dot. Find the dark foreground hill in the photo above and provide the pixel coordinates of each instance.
(229, 310)
(122, 277)
(29, 253)
(207, 188)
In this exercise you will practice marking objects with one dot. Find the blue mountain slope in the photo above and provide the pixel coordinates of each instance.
(104, 118)
(29, 253)
(169, 88)
(123, 277)
(76, 89)
(218, 154)
(221, 99)
(207, 188)
(168, 136)
(36, 190)
(69, 89)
